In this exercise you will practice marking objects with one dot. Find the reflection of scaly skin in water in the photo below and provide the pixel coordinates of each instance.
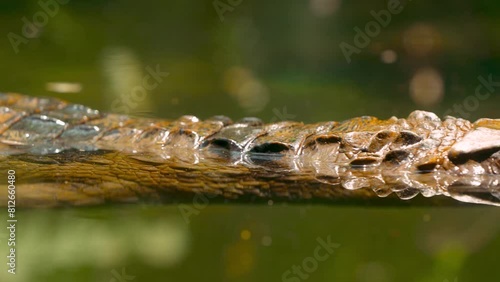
(70, 154)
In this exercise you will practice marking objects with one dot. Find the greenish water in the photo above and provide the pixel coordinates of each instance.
(272, 59)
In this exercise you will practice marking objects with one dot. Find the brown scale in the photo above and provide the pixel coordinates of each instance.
(351, 142)
(235, 137)
(9, 116)
(72, 113)
(405, 157)
(30, 104)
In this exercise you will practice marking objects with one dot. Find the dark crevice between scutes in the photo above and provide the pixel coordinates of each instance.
(221, 144)
(408, 138)
(363, 162)
(396, 156)
(478, 156)
(328, 139)
(426, 167)
(270, 148)
(267, 154)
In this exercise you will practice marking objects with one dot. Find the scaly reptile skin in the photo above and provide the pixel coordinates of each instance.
(68, 154)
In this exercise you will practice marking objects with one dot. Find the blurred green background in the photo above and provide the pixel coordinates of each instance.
(275, 60)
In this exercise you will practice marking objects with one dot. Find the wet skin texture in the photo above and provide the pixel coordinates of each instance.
(67, 154)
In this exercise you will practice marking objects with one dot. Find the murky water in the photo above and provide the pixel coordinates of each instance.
(309, 61)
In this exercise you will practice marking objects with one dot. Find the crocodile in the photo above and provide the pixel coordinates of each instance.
(65, 154)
